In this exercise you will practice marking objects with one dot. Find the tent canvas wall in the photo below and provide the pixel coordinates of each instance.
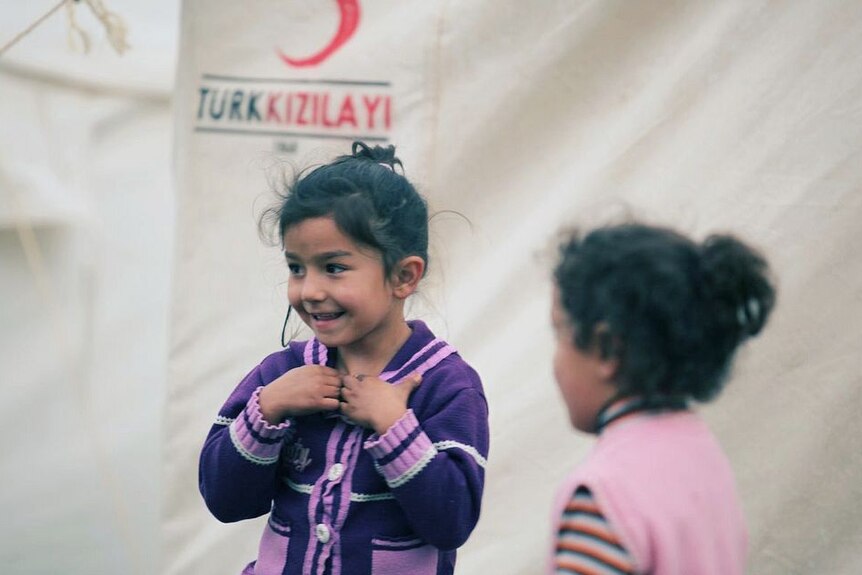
(739, 116)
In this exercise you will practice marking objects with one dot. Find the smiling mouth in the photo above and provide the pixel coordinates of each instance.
(326, 316)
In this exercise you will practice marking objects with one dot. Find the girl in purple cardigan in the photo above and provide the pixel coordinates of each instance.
(647, 321)
(366, 445)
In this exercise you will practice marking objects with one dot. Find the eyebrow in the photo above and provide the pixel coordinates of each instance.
(321, 257)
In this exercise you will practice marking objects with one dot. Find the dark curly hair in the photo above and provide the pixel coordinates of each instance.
(671, 311)
(368, 200)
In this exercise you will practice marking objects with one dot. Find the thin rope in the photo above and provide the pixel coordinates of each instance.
(115, 28)
(75, 31)
(32, 27)
(36, 263)
(114, 25)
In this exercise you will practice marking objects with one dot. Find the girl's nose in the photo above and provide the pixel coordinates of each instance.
(312, 288)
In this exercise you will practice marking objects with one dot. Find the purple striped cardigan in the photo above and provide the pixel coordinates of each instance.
(341, 499)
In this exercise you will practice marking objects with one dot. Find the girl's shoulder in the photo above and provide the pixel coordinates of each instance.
(451, 382)
(451, 387)
(437, 361)
(457, 373)
(277, 363)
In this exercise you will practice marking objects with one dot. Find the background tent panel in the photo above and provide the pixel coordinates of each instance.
(709, 117)
(86, 235)
(740, 116)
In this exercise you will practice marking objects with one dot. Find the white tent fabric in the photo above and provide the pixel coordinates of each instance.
(86, 234)
(732, 116)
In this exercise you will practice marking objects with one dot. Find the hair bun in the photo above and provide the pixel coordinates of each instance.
(378, 154)
(736, 280)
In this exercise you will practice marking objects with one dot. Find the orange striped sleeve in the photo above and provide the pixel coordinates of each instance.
(587, 543)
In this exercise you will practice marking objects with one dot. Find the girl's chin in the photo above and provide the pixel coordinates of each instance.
(329, 337)
(326, 328)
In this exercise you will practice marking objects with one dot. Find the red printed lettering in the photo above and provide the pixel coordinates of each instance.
(271, 102)
(300, 114)
(347, 115)
(370, 106)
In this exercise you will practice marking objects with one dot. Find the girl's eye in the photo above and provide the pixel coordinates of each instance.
(295, 269)
(335, 268)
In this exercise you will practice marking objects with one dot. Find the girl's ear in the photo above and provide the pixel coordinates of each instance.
(606, 348)
(406, 276)
(608, 368)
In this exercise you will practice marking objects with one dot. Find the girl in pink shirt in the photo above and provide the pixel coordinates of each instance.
(647, 321)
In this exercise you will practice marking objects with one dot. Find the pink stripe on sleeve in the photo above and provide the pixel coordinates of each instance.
(255, 438)
(413, 447)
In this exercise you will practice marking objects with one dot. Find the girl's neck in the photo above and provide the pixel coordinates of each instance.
(373, 359)
(620, 407)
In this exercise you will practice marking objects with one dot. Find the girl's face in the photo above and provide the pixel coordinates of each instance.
(584, 378)
(339, 289)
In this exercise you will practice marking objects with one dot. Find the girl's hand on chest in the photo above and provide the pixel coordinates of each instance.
(374, 403)
(300, 391)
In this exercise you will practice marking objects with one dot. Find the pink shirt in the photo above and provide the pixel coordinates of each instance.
(667, 489)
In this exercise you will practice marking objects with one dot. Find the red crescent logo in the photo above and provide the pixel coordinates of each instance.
(349, 20)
